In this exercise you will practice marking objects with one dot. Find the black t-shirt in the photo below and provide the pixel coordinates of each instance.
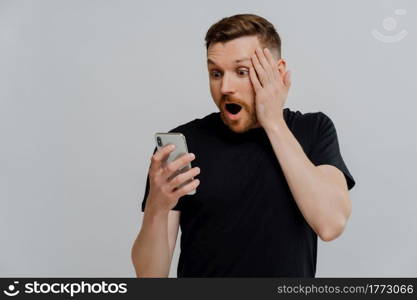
(243, 220)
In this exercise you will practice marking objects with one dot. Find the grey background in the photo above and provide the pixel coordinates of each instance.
(85, 84)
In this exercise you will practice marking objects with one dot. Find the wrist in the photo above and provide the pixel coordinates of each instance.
(153, 210)
(276, 127)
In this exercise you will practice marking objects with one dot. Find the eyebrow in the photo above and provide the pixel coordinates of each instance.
(210, 62)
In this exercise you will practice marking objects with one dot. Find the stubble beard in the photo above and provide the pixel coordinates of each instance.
(247, 121)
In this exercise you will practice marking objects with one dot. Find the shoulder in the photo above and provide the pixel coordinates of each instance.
(197, 131)
(306, 120)
(196, 124)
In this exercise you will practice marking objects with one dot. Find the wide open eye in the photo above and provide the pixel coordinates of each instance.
(243, 72)
(215, 74)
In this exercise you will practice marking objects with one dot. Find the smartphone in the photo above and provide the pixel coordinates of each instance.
(178, 139)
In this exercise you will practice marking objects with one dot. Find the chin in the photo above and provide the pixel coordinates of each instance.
(243, 124)
(238, 127)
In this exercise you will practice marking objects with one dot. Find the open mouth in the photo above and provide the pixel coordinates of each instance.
(233, 108)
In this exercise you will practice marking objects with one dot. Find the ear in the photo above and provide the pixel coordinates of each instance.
(282, 67)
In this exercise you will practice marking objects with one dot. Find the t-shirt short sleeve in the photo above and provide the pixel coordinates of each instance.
(176, 207)
(325, 150)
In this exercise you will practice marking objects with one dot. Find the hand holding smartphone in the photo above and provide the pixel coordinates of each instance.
(181, 149)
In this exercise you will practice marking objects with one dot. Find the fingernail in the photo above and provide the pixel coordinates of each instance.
(192, 155)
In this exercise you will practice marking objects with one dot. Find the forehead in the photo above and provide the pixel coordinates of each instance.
(242, 47)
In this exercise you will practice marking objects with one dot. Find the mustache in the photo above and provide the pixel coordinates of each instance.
(237, 101)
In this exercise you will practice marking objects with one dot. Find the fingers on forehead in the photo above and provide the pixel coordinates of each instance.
(269, 56)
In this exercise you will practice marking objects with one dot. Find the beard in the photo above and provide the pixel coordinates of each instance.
(247, 119)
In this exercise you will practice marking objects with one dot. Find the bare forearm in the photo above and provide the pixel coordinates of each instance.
(150, 252)
(319, 200)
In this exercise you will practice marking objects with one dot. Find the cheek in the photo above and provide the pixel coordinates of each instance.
(215, 91)
(248, 89)
(245, 85)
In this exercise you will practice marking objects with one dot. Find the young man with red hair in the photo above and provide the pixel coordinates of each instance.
(271, 179)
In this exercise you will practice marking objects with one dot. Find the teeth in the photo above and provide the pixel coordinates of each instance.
(233, 108)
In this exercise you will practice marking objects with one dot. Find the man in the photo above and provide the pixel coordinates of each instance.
(271, 179)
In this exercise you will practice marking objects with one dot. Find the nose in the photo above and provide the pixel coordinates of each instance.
(227, 85)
